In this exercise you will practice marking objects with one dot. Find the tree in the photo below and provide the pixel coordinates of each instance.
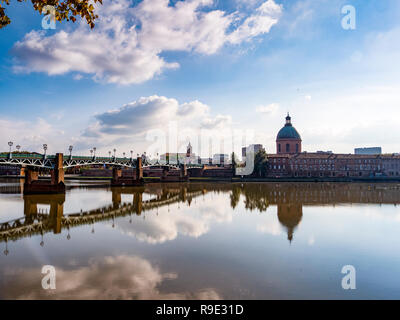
(261, 163)
(64, 10)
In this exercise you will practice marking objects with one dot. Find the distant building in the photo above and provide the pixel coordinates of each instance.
(368, 151)
(206, 161)
(173, 157)
(6, 170)
(221, 159)
(289, 161)
(257, 148)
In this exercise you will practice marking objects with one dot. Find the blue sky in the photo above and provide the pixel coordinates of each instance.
(207, 65)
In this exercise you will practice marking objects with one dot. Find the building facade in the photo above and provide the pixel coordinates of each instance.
(289, 161)
(317, 165)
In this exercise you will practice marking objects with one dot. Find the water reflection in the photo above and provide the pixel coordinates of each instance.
(289, 199)
(119, 277)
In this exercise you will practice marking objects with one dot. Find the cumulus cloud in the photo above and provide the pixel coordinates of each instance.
(127, 44)
(120, 277)
(153, 112)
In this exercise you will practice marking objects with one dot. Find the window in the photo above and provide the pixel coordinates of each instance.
(287, 147)
(279, 147)
(297, 148)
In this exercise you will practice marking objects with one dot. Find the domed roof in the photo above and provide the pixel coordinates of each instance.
(288, 131)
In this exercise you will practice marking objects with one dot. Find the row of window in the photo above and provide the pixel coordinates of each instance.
(287, 148)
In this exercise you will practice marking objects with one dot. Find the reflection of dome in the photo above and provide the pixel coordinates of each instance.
(288, 131)
(290, 215)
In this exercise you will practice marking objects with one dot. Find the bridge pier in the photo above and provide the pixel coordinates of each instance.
(138, 202)
(32, 184)
(56, 212)
(184, 173)
(119, 180)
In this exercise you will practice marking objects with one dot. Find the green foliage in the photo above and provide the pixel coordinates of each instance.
(66, 10)
(261, 163)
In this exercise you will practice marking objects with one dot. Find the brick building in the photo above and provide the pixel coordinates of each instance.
(317, 165)
(289, 161)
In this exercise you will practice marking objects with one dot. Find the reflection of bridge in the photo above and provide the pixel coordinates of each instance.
(35, 222)
(288, 197)
(31, 164)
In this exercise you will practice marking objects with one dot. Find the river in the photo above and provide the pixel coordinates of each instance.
(202, 241)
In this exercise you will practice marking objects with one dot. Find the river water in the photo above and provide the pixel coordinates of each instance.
(202, 241)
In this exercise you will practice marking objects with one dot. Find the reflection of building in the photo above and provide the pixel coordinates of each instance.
(288, 140)
(290, 215)
(368, 151)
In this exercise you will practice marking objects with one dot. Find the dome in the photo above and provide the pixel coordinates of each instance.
(288, 131)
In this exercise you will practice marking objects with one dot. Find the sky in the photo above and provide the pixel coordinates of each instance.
(154, 74)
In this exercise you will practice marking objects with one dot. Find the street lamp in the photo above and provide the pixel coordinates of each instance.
(123, 154)
(91, 152)
(10, 144)
(94, 149)
(109, 153)
(115, 150)
(18, 147)
(45, 149)
(70, 150)
(131, 154)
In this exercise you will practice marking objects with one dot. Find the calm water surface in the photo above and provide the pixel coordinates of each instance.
(202, 241)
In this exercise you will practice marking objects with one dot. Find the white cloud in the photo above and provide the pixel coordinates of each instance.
(260, 22)
(109, 278)
(127, 44)
(268, 109)
(153, 112)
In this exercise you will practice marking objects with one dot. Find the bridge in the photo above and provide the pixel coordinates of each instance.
(32, 163)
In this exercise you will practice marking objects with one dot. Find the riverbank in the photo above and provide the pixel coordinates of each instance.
(235, 179)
